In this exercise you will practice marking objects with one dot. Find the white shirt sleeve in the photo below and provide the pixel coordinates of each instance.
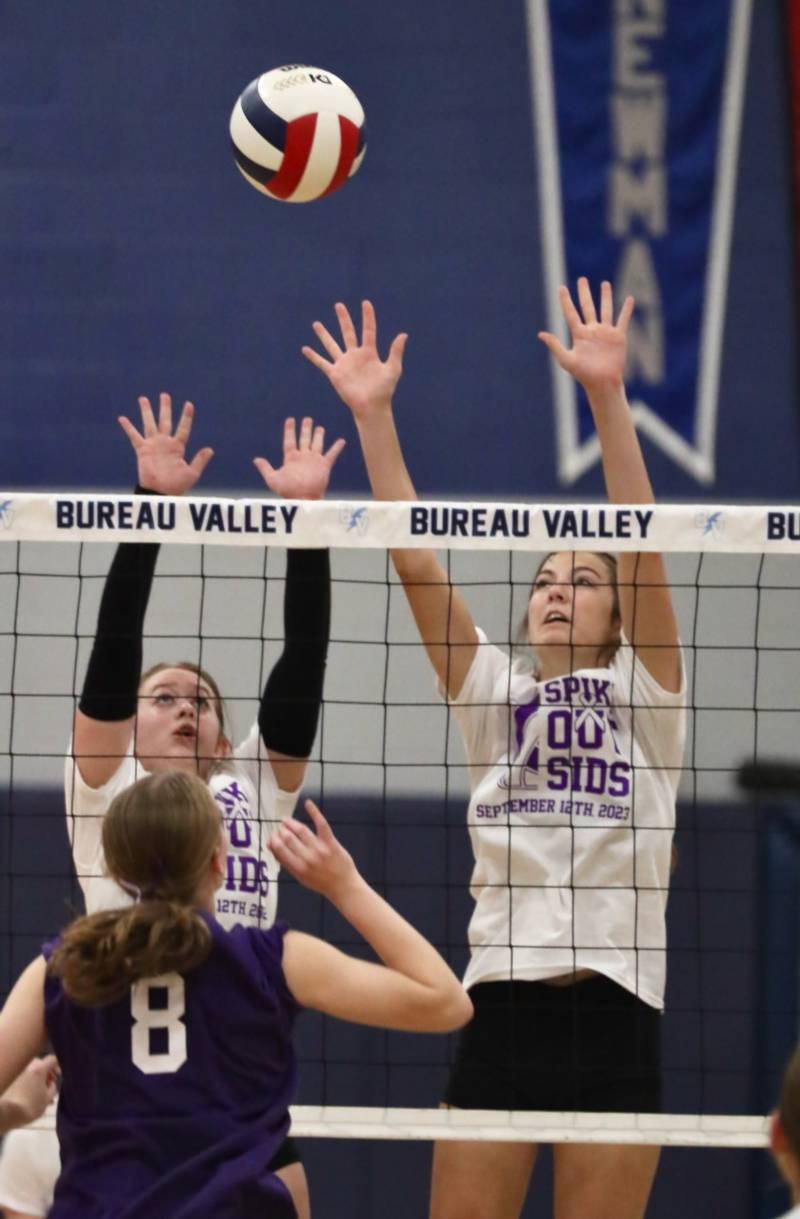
(274, 804)
(29, 1168)
(86, 807)
(484, 707)
(658, 716)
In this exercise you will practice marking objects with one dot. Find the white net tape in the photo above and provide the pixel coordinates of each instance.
(730, 529)
(493, 1126)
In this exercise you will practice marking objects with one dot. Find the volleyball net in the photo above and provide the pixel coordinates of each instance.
(389, 768)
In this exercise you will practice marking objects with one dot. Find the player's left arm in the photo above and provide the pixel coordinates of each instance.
(22, 1037)
(597, 360)
(291, 700)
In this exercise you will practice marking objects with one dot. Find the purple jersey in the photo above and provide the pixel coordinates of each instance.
(175, 1099)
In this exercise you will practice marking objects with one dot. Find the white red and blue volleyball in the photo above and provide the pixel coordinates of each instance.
(298, 133)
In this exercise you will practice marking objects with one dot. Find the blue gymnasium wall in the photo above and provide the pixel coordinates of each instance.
(134, 258)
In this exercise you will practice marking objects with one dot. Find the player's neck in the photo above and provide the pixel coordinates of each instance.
(205, 897)
(560, 660)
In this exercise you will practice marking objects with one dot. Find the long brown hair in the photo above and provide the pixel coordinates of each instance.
(159, 837)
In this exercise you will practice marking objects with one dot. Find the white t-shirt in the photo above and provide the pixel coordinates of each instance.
(252, 805)
(794, 1213)
(571, 817)
(29, 1166)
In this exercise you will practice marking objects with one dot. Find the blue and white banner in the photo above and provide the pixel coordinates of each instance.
(637, 110)
(362, 525)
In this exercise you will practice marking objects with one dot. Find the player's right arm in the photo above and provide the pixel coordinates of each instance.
(366, 385)
(104, 720)
(413, 990)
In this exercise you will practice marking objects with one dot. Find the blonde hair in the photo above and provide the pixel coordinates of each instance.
(159, 837)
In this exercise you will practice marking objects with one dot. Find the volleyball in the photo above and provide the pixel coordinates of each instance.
(298, 133)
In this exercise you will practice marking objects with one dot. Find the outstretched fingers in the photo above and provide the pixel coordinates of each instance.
(289, 436)
(396, 353)
(327, 340)
(306, 433)
(334, 451)
(555, 347)
(606, 303)
(312, 439)
(570, 312)
(349, 336)
(369, 325)
(586, 301)
(625, 314)
(163, 426)
(165, 414)
(135, 437)
(317, 360)
(573, 317)
(267, 472)
(184, 428)
(148, 418)
(607, 308)
(199, 462)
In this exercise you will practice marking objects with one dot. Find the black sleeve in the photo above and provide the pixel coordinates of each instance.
(290, 704)
(112, 677)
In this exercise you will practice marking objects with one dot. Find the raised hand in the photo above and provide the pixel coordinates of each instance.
(160, 459)
(317, 859)
(597, 356)
(306, 468)
(363, 381)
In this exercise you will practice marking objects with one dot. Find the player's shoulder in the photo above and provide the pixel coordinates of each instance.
(636, 685)
(79, 793)
(253, 953)
(249, 944)
(495, 672)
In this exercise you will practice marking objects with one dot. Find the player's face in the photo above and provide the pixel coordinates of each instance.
(177, 726)
(572, 606)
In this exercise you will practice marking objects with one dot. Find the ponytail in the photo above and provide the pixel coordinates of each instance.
(99, 957)
(160, 837)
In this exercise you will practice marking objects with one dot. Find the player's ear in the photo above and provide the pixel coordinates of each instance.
(224, 748)
(218, 859)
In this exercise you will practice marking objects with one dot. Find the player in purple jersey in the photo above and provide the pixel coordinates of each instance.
(174, 1036)
(574, 762)
(171, 717)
